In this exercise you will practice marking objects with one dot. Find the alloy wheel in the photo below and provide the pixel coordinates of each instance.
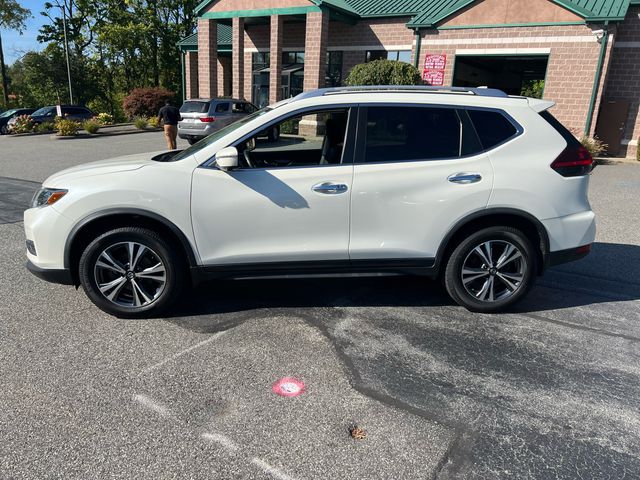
(130, 274)
(493, 271)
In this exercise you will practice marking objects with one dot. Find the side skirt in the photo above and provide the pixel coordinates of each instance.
(418, 266)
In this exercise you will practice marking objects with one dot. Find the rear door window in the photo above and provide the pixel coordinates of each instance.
(222, 107)
(493, 127)
(398, 134)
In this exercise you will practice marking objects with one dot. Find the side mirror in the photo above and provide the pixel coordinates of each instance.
(227, 158)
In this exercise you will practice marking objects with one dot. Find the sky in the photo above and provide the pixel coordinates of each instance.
(16, 45)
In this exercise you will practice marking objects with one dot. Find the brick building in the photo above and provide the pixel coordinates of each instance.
(582, 54)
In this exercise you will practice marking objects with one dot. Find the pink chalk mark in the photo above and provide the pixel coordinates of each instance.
(288, 387)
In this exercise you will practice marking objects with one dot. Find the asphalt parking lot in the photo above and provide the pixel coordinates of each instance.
(550, 390)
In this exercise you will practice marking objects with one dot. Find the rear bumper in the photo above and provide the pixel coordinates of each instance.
(62, 276)
(566, 256)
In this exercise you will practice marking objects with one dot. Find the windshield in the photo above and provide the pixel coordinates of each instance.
(8, 113)
(214, 137)
(43, 111)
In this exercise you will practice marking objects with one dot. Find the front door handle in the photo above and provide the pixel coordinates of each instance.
(329, 188)
(464, 178)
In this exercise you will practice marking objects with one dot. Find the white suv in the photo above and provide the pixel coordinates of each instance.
(473, 186)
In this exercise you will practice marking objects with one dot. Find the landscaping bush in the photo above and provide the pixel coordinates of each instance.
(23, 124)
(67, 128)
(45, 127)
(141, 122)
(91, 126)
(384, 72)
(594, 145)
(146, 101)
(154, 122)
(104, 119)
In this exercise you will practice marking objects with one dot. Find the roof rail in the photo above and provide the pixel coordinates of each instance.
(479, 91)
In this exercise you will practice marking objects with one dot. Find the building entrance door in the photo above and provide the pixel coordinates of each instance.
(612, 121)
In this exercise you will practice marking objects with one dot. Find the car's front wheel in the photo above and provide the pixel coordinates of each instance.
(131, 272)
(491, 270)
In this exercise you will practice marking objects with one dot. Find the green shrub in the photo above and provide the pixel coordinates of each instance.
(104, 119)
(67, 128)
(594, 145)
(146, 101)
(154, 122)
(141, 122)
(91, 126)
(384, 72)
(23, 124)
(45, 127)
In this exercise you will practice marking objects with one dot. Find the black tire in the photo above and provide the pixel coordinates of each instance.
(157, 250)
(274, 134)
(524, 267)
(192, 140)
(4, 130)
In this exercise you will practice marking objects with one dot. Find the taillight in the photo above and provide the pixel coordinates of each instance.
(207, 119)
(574, 161)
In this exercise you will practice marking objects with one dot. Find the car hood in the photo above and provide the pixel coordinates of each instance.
(102, 167)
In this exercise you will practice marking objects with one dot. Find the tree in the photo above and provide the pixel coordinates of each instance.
(384, 72)
(13, 17)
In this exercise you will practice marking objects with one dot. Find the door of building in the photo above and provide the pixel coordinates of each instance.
(612, 121)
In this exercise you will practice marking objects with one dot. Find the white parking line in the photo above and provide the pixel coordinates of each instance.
(151, 404)
(179, 354)
(269, 470)
(223, 440)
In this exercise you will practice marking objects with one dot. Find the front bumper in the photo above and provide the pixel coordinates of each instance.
(62, 276)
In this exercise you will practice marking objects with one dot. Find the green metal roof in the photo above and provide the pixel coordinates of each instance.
(428, 13)
(224, 39)
(436, 11)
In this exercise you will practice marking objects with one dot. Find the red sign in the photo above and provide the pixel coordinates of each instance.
(434, 78)
(433, 71)
(435, 62)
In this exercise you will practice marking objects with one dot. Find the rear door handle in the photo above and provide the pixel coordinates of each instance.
(329, 188)
(464, 178)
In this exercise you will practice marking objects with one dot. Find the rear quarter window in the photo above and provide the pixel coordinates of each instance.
(493, 127)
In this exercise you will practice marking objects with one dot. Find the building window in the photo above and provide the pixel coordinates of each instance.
(334, 69)
(399, 55)
(289, 58)
(260, 60)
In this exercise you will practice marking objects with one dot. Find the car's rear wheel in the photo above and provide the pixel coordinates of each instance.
(4, 130)
(192, 140)
(491, 269)
(131, 272)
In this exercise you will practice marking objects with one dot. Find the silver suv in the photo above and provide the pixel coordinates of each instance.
(202, 117)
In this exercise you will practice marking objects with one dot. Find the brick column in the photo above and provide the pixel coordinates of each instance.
(315, 49)
(208, 58)
(237, 57)
(315, 65)
(275, 66)
(191, 74)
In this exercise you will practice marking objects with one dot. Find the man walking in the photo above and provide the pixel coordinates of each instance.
(170, 116)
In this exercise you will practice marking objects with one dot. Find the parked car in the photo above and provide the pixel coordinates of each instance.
(6, 117)
(71, 112)
(202, 117)
(482, 190)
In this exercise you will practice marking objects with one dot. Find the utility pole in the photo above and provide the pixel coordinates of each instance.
(66, 50)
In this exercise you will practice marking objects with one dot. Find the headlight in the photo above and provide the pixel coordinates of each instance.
(47, 196)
